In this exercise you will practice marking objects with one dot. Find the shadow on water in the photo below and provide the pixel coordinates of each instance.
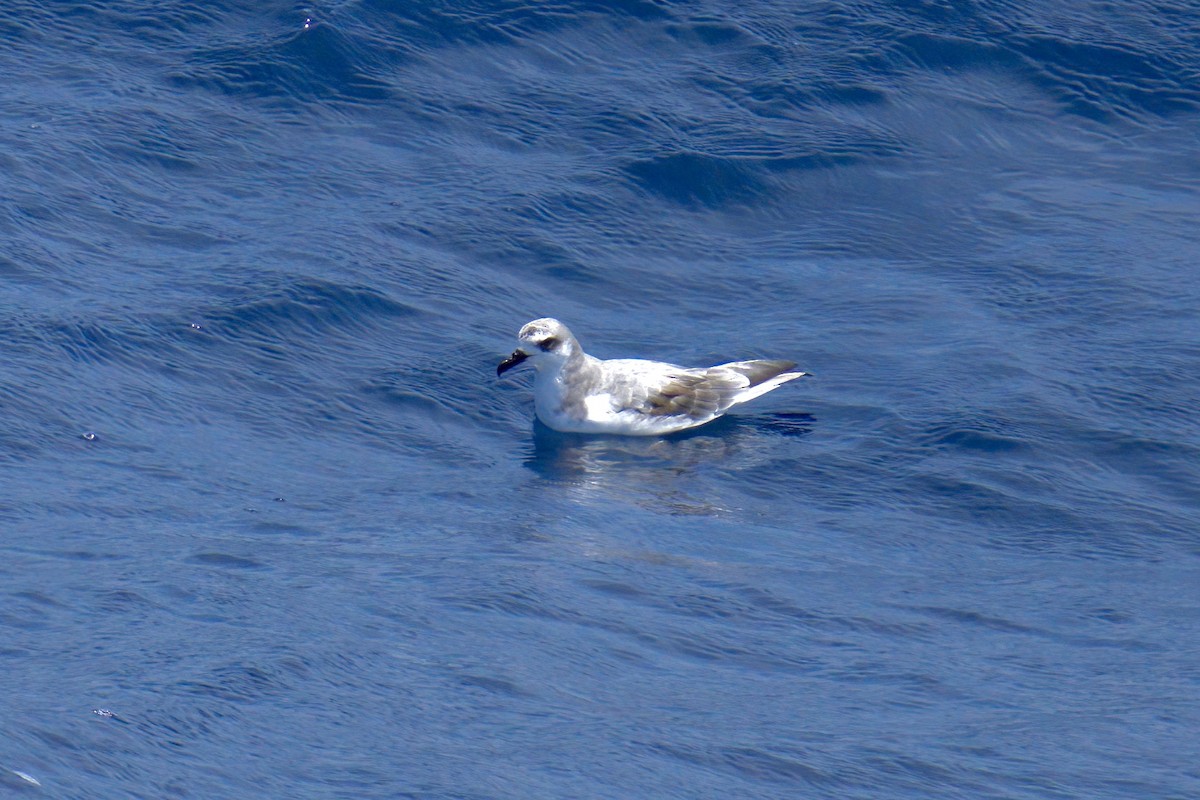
(637, 466)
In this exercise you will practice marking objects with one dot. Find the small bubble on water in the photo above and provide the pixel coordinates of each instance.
(308, 23)
(196, 326)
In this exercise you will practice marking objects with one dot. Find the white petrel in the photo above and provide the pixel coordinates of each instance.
(577, 393)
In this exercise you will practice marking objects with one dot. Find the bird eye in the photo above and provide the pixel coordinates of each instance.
(548, 343)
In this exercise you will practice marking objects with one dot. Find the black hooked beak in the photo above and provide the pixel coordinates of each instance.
(516, 358)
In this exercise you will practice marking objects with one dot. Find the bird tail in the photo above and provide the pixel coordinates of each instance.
(763, 376)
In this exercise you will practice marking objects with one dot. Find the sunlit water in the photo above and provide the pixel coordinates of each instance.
(272, 528)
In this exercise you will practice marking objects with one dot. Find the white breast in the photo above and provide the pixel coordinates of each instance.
(599, 407)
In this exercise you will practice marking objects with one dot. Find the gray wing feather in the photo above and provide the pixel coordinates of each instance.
(701, 394)
(693, 394)
(697, 395)
(758, 371)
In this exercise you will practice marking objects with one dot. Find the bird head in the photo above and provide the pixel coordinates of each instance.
(542, 342)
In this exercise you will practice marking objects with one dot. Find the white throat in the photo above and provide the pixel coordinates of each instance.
(549, 389)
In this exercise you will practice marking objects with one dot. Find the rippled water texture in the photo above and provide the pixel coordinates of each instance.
(272, 528)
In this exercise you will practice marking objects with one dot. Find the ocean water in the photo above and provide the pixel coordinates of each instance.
(270, 527)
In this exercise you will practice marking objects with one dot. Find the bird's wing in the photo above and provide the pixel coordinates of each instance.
(654, 389)
(759, 371)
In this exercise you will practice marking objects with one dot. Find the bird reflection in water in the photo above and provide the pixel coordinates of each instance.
(654, 469)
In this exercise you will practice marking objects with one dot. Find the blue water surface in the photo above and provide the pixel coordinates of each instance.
(271, 528)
